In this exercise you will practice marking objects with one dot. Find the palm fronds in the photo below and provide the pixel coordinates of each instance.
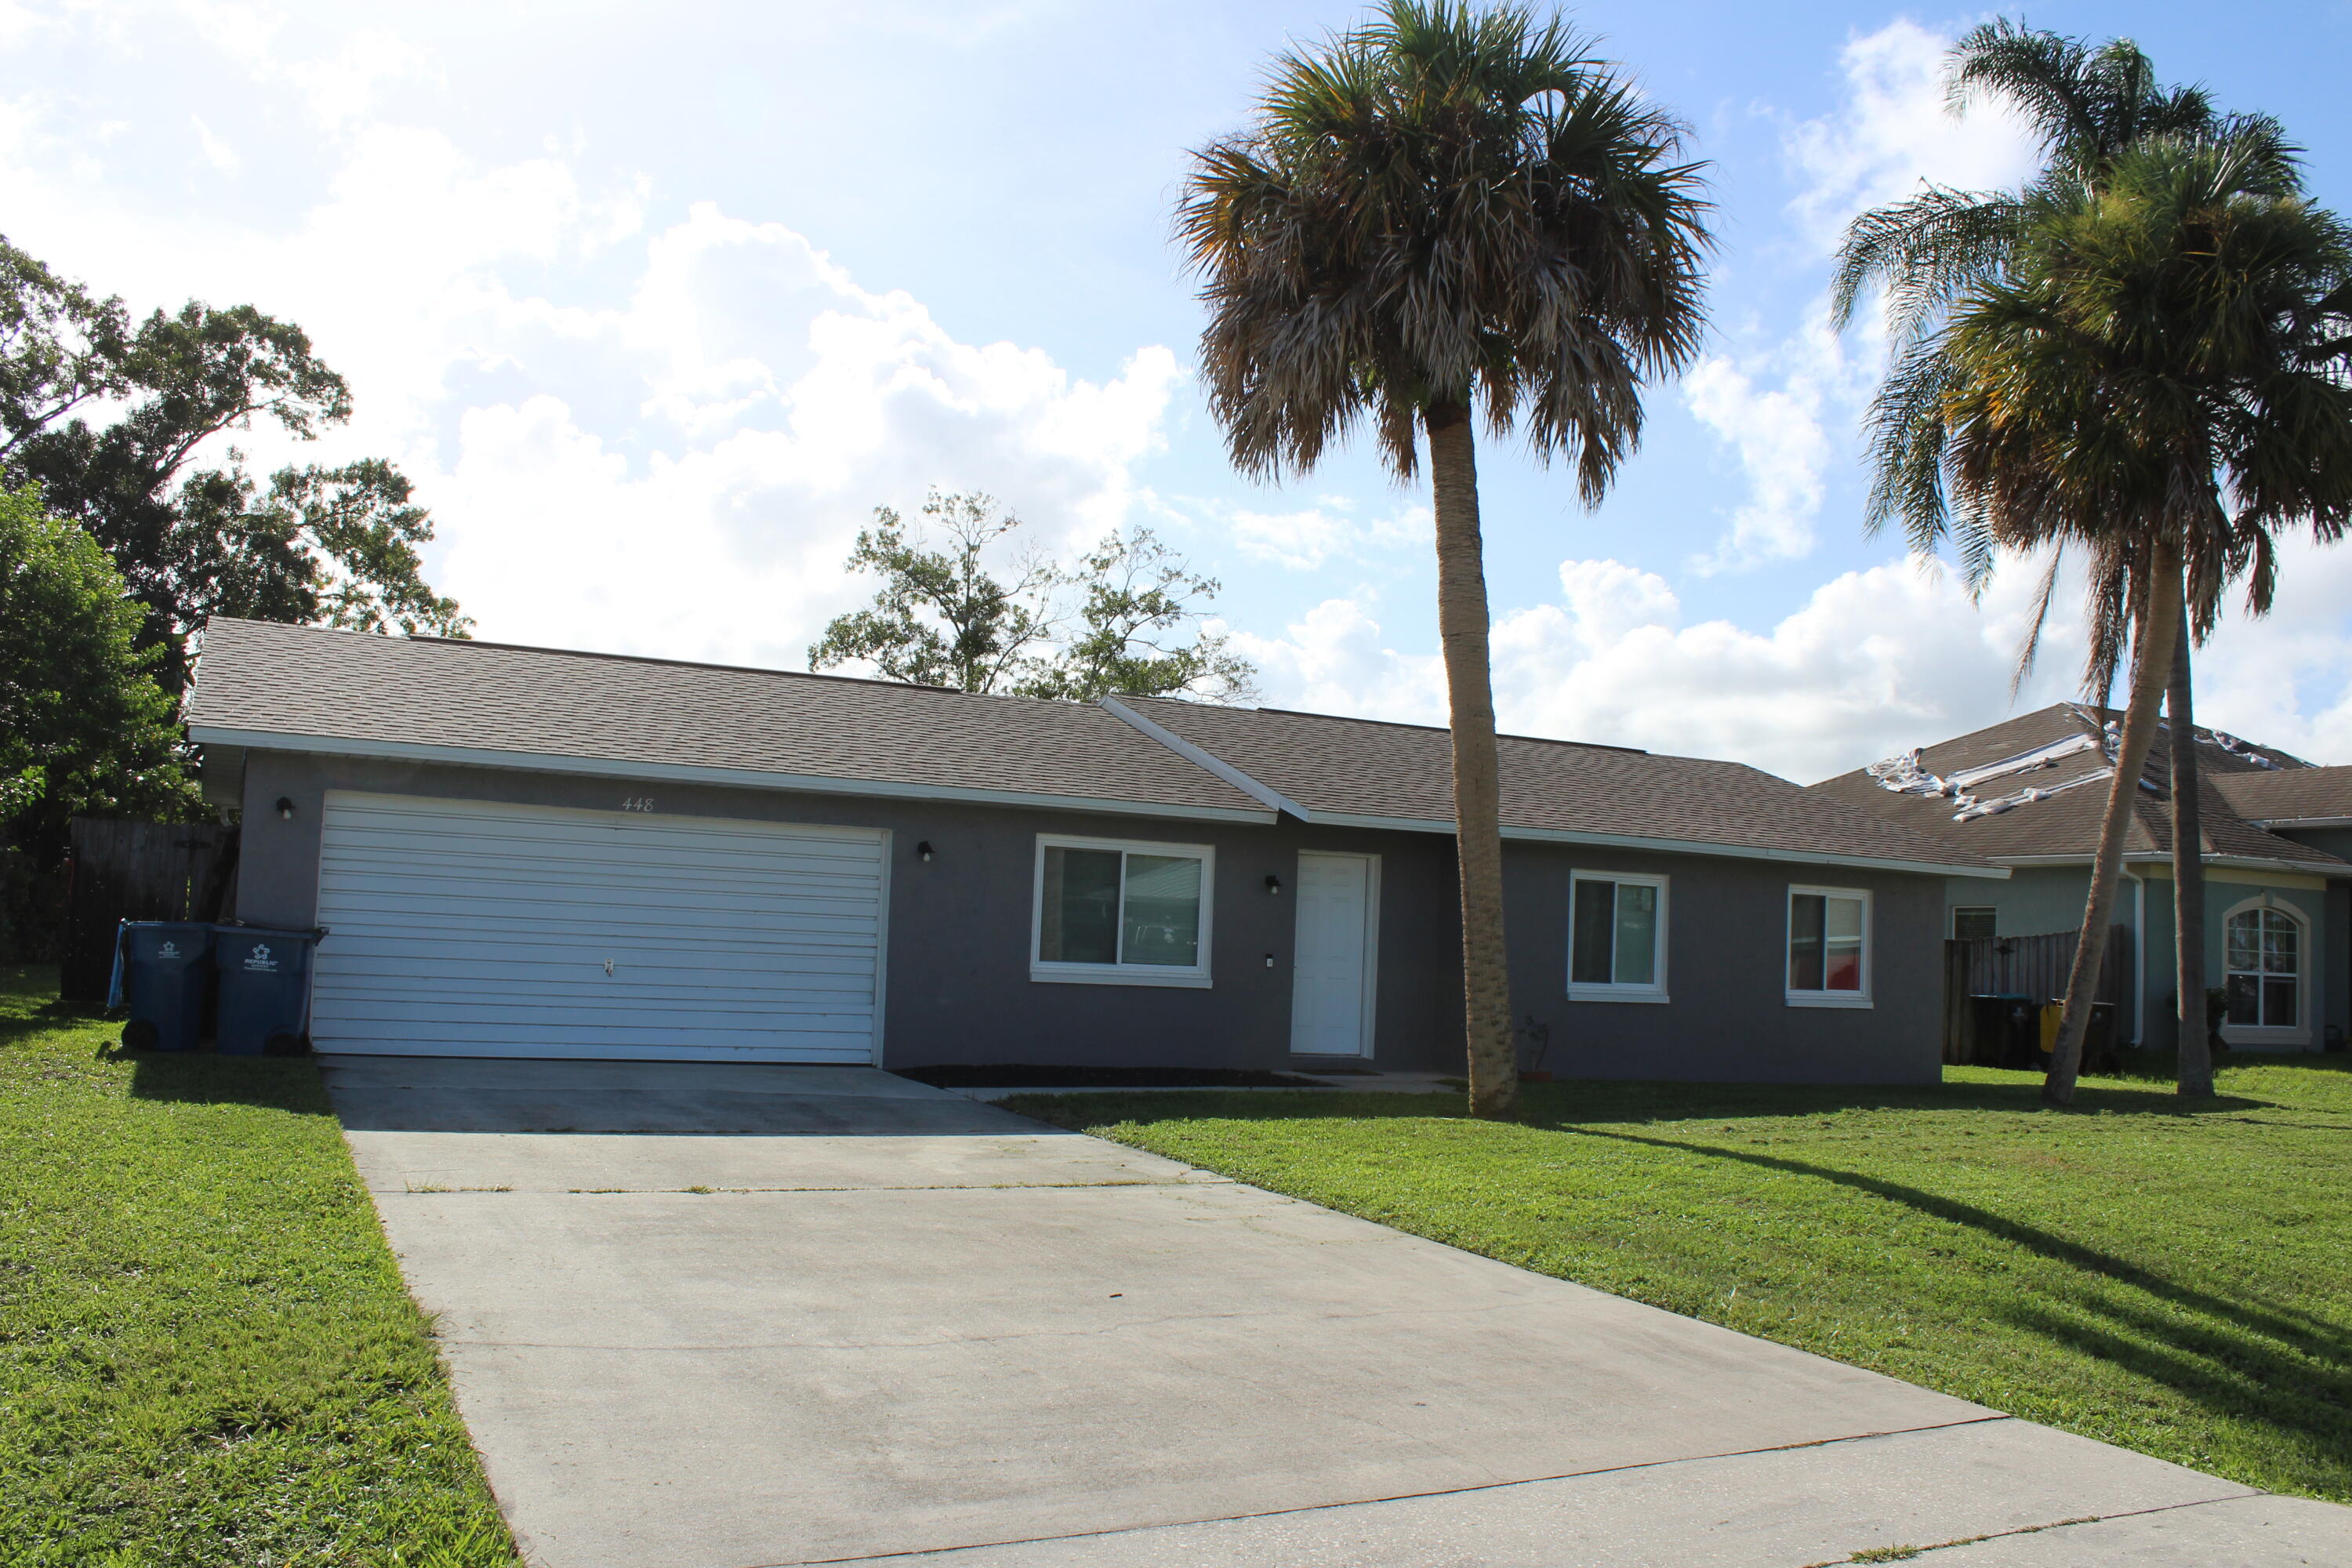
(1445, 208)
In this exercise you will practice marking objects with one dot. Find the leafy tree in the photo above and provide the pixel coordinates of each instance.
(2158, 378)
(111, 415)
(1136, 598)
(1444, 214)
(84, 728)
(943, 617)
(2095, 109)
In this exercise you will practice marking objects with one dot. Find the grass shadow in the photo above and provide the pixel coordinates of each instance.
(2317, 1337)
(200, 1077)
(1583, 1102)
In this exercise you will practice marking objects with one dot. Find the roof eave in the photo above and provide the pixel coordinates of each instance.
(2164, 857)
(683, 772)
(1675, 845)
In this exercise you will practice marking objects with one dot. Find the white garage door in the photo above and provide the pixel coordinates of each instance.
(469, 930)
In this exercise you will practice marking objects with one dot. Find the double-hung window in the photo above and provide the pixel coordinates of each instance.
(1829, 947)
(1616, 937)
(2263, 959)
(1119, 914)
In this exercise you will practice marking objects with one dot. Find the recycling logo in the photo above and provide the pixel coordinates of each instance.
(259, 962)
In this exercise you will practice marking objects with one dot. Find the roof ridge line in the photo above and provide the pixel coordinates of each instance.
(1447, 730)
(649, 659)
(1206, 761)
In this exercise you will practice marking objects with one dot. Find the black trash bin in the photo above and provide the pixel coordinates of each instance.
(2008, 1029)
(264, 990)
(164, 973)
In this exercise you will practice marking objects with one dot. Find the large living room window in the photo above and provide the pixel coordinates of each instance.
(1616, 937)
(2262, 965)
(1829, 947)
(1110, 911)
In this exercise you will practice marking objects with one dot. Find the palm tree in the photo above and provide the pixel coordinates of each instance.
(1443, 214)
(2089, 106)
(2157, 377)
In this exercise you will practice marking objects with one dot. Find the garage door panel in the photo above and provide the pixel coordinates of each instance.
(750, 972)
(430, 866)
(493, 907)
(462, 928)
(517, 1021)
(467, 960)
(394, 1038)
(831, 993)
(633, 841)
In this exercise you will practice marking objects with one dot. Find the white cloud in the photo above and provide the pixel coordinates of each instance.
(727, 541)
(340, 91)
(1875, 662)
(1334, 659)
(1773, 408)
(654, 441)
(1332, 528)
(1782, 449)
(1893, 132)
(217, 153)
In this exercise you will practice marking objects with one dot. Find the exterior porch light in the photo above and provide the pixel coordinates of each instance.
(1273, 883)
(286, 808)
(923, 851)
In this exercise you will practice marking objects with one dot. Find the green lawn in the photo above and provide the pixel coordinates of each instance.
(206, 1356)
(2177, 1282)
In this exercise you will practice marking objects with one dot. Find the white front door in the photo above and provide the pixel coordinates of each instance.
(1337, 967)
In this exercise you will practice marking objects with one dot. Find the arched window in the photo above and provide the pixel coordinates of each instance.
(2263, 960)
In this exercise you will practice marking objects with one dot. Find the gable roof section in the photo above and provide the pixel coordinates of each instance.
(1365, 772)
(2313, 796)
(2034, 788)
(425, 699)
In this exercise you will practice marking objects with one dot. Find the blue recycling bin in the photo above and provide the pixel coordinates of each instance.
(164, 973)
(264, 990)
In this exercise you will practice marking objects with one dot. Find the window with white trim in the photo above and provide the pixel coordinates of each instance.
(2262, 967)
(1111, 911)
(1829, 947)
(1616, 937)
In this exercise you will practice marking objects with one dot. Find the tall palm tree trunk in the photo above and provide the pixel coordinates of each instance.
(2151, 666)
(1478, 811)
(2196, 1054)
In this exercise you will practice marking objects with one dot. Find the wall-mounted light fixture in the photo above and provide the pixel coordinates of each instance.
(1269, 961)
(923, 851)
(1273, 883)
(286, 808)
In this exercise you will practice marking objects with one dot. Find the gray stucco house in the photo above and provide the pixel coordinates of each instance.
(2028, 795)
(532, 852)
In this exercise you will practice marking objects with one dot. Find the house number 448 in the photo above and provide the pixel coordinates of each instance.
(638, 803)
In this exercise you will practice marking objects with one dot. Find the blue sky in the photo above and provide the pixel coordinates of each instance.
(657, 303)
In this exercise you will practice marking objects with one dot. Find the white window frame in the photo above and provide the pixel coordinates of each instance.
(1580, 991)
(1197, 977)
(2260, 1037)
(1993, 909)
(1796, 998)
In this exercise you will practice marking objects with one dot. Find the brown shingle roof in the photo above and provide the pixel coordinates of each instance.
(2292, 794)
(282, 683)
(1358, 768)
(2067, 823)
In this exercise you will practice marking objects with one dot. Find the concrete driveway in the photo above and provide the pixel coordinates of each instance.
(730, 1317)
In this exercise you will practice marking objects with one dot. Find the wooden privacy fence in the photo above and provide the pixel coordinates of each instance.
(2034, 966)
(136, 872)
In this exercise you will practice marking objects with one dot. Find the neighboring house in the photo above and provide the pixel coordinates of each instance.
(2030, 794)
(529, 852)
